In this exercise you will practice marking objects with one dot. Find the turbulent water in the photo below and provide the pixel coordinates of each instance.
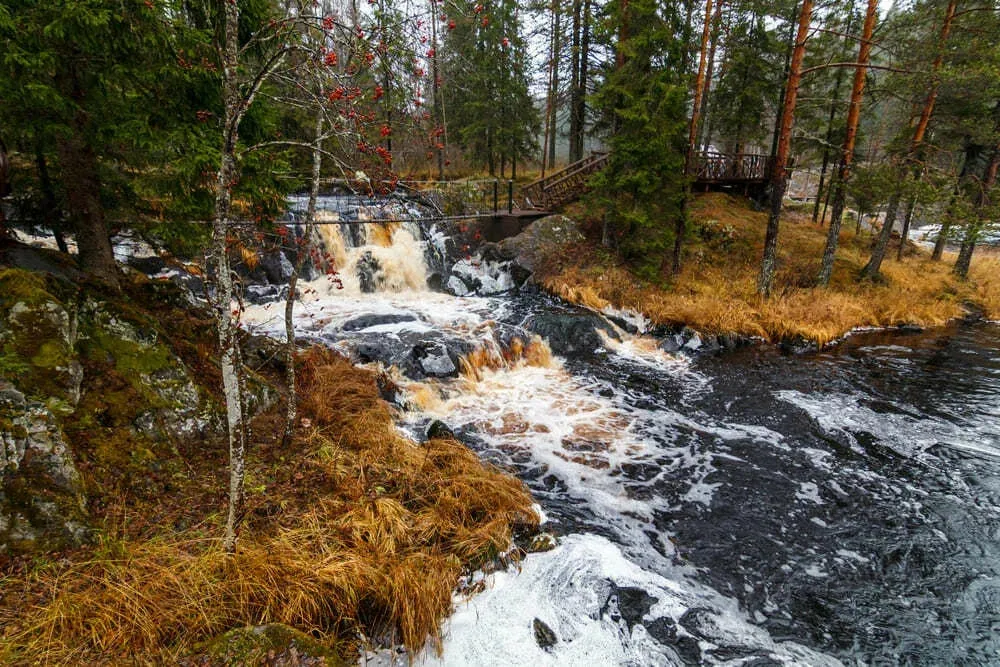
(752, 508)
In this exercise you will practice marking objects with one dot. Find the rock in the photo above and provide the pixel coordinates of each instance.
(434, 360)
(272, 644)
(701, 623)
(544, 636)
(542, 542)
(693, 343)
(367, 270)
(663, 630)
(173, 406)
(633, 604)
(438, 429)
(42, 503)
(456, 287)
(541, 238)
(263, 351)
(672, 343)
(261, 294)
(571, 332)
(376, 319)
(37, 339)
(688, 650)
(277, 267)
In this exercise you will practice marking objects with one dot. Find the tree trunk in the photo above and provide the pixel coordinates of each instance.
(225, 320)
(838, 79)
(554, 90)
(779, 171)
(781, 96)
(964, 261)
(302, 253)
(847, 151)
(438, 99)
(680, 227)
(575, 71)
(580, 101)
(86, 213)
(874, 265)
(907, 219)
(709, 69)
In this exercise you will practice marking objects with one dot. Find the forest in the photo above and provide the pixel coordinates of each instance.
(734, 172)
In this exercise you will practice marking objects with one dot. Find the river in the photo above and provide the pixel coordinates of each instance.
(749, 508)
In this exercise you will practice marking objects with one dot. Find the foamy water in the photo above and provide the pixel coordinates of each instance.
(754, 507)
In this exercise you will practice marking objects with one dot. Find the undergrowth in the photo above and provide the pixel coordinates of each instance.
(351, 530)
(716, 290)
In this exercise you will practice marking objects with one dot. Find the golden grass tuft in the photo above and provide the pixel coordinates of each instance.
(716, 291)
(373, 537)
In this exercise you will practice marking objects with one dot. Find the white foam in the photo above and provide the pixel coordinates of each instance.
(844, 414)
(571, 590)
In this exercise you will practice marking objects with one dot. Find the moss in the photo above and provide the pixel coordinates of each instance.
(252, 645)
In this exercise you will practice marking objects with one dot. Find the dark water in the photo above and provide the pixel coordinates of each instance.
(861, 517)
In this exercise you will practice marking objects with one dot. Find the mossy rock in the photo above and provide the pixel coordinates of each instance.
(37, 338)
(269, 644)
(42, 504)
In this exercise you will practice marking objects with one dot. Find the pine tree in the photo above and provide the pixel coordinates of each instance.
(643, 99)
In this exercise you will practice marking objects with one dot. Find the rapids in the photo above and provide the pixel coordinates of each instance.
(751, 508)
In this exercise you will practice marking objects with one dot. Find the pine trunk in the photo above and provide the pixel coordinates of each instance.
(847, 151)
(680, 227)
(779, 171)
(874, 265)
(964, 261)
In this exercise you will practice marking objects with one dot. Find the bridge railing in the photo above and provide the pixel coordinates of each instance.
(712, 167)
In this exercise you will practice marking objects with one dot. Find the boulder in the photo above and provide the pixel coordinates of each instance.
(42, 503)
(540, 239)
(544, 636)
(572, 332)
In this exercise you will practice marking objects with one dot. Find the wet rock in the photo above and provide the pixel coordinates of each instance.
(438, 429)
(701, 623)
(542, 542)
(434, 360)
(261, 294)
(367, 270)
(797, 345)
(277, 267)
(663, 630)
(42, 504)
(672, 343)
(634, 604)
(376, 319)
(544, 636)
(688, 650)
(457, 287)
(572, 332)
(693, 344)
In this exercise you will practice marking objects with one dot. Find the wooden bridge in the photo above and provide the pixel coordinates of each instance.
(708, 169)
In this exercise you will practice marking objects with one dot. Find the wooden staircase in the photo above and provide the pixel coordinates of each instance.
(563, 186)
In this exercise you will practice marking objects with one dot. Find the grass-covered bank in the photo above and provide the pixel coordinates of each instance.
(351, 530)
(716, 291)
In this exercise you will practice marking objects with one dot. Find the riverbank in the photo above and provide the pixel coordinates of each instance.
(352, 532)
(716, 290)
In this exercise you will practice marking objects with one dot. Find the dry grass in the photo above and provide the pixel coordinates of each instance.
(363, 531)
(716, 291)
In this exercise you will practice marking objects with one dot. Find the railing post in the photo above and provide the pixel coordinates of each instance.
(510, 197)
(496, 196)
